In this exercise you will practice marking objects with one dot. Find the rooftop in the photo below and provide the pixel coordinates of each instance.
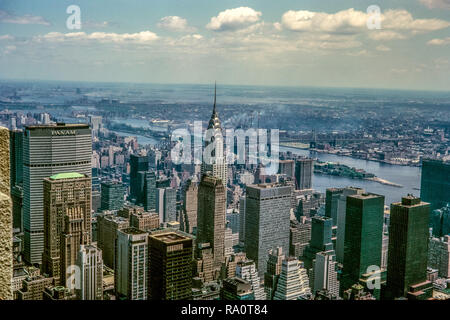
(67, 175)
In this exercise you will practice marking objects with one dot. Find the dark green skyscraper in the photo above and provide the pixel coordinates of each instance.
(363, 236)
(150, 191)
(112, 195)
(408, 246)
(435, 183)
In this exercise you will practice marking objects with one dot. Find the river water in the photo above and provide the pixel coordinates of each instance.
(408, 177)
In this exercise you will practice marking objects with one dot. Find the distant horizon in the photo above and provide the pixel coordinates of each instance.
(224, 84)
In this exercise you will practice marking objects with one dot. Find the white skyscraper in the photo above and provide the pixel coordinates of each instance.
(293, 282)
(325, 273)
(247, 271)
(91, 273)
(217, 164)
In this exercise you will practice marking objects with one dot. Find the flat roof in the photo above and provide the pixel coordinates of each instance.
(169, 237)
(67, 175)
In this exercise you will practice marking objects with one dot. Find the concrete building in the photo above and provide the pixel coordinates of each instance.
(145, 221)
(67, 222)
(247, 270)
(439, 255)
(267, 221)
(6, 219)
(325, 273)
(190, 207)
(90, 264)
(211, 216)
(293, 282)
(236, 289)
(131, 267)
(107, 234)
(273, 272)
(304, 169)
(49, 150)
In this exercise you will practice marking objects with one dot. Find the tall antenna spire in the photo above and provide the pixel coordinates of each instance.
(215, 92)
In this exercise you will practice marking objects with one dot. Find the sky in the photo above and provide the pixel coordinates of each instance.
(324, 43)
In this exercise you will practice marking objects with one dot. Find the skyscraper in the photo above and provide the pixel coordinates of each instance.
(439, 255)
(131, 267)
(272, 274)
(293, 282)
(107, 234)
(67, 222)
(166, 204)
(217, 163)
(150, 191)
(190, 207)
(49, 150)
(435, 183)
(170, 265)
(304, 169)
(6, 219)
(408, 245)
(211, 216)
(90, 262)
(320, 239)
(267, 221)
(325, 273)
(363, 237)
(137, 163)
(112, 195)
(247, 270)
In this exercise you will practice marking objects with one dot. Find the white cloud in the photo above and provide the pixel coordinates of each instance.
(234, 19)
(175, 23)
(6, 17)
(439, 42)
(343, 21)
(382, 47)
(94, 24)
(432, 4)
(139, 37)
(351, 21)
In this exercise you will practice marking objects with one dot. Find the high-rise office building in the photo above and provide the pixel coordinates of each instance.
(246, 270)
(90, 262)
(49, 150)
(293, 282)
(107, 234)
(408, 245)
(166, 204)
(287, 167)
(272, 274)
(170, 265)
(144, 221)
(325, 273)
(137, 163)
(112, 195)
(439, 255)
(363, 237)
(190, 207)
(320, 239)
(6, 219)
(131, 266)
(439, 221)
(67, 222)
(217, 164)
(335, 208)
(211, 216)
(304, 169)
(267, 221)
(149, 191)
(435, 183)
(16, 157)
(299, 237)
(242, 220)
